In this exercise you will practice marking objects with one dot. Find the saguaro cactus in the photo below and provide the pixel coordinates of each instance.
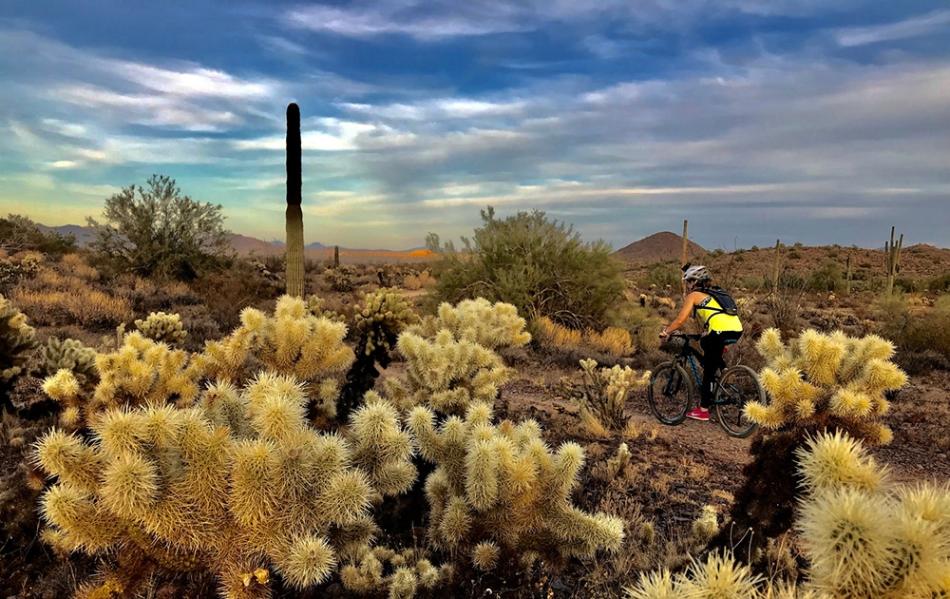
(892, 260)
(294, 213)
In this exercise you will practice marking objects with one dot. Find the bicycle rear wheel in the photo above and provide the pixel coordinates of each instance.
(738, 386)
(670, 393)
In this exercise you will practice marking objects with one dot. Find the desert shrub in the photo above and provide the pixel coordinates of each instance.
(156, 230)
(423, 280)
(18, 233)
(602, 392)
(12, 271)
(445, 374)
(939, 283)
(228, 291)
(663, 275)
(914, 333)
(828, 277)
(292, 341)
(498, 492)
(239, 486)
(162, 327)
(784, 304)
(17, 341)
(490, 325)
(538, 265)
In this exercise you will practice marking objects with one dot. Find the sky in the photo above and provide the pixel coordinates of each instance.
(810, 121)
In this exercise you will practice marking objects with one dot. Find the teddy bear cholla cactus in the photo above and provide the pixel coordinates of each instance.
(604, 391)
(57, 354)
(17, 341)
(162, 327)
(820, 376)
(446, 374)
(411, 571)
(238, 484)
(862, 538)
(139, 372)
(292, 342)
(498, 491)
(381, 317)
(478, 320)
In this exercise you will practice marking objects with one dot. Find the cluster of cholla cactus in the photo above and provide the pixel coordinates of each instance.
(411, 571)
(490, 325)
(498, 492)
(445, 373)
(58, 354)
(139, 372)
(865, 538)
(827, 379)
(603, 392)
(293, 342)
(162, 327)
(817, 382)
(380, 318)
(239, 484)
(862, 538)
(17, 341)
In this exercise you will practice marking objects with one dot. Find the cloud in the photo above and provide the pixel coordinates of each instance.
(927, 24)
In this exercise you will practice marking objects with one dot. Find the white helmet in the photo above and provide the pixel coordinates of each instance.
(696, 274)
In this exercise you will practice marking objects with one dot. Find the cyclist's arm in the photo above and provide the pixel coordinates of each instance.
(684, 314)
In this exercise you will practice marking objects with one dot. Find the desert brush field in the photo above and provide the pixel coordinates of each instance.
(400, 430)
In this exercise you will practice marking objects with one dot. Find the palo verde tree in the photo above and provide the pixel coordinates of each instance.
(539, 265)
(157, 230)
(295, 271)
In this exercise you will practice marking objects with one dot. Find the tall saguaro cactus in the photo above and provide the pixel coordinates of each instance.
(295, 274)
(892, 260)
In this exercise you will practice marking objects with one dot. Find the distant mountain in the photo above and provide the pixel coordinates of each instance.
(83, 235)
(658, 247)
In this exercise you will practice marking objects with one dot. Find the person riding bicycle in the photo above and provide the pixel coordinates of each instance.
(716, 312)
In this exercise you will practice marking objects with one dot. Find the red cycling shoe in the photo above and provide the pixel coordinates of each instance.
(698, 414)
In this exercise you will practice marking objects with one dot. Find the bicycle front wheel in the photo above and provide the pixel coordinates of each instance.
(739, 385)
(670, 393)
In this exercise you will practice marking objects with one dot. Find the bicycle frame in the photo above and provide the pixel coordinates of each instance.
(688, 355)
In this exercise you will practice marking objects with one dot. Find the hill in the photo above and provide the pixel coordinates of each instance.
(658, 247)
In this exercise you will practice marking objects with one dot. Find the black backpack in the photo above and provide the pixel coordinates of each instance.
(727, 305)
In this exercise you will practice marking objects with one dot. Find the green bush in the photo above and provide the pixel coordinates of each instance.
(18, 233)
(927, 331)
(155, 230)
(539, 265)
(663, 274)
(827, 278)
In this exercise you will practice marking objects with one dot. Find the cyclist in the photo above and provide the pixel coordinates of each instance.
(716, 312)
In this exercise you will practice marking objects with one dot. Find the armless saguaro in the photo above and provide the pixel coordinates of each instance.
(295, 271)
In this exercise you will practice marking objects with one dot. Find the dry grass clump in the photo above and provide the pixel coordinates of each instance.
(612, 341)
(85, 306)
(423, 280)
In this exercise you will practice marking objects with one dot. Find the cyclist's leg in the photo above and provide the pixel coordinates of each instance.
(712, 345)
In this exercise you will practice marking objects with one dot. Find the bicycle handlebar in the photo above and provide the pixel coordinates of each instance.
(687, 336)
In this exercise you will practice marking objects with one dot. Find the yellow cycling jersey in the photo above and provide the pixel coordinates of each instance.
(707, 311)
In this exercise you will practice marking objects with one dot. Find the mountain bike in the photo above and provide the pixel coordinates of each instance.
(674, 384)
